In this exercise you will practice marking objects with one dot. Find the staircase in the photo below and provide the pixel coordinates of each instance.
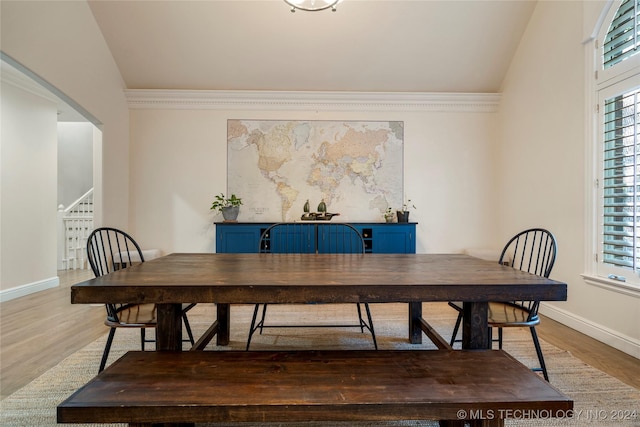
(76, 223)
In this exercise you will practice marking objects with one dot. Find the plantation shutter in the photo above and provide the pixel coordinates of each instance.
(621, 182)
(621, 41)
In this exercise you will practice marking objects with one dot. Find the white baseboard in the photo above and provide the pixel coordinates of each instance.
(29, 288)
(601, 333)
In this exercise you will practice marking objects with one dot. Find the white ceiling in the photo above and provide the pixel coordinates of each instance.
(367, 45)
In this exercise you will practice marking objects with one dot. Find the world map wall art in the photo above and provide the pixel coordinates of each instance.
(275, 166)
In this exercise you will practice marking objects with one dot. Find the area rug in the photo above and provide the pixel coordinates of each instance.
(600, 400)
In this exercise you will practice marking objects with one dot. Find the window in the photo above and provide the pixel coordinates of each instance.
(621, 41)
(618, 183)
(620, 198)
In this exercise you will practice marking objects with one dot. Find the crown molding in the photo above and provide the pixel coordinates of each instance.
(318, 101)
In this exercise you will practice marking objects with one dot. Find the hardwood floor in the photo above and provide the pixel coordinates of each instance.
(601, 356)
(39, 330)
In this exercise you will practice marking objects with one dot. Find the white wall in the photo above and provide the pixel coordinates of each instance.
(542, 157)
(179, 160)
(61, 42)
(28, 176)
(75, 161)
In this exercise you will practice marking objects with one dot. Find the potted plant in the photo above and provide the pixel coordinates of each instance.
(229, 206)
(388, 215)
(403, 215)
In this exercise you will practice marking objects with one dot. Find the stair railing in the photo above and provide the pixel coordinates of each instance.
(76, 223)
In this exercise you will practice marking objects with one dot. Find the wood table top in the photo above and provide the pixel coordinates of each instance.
(300, 278)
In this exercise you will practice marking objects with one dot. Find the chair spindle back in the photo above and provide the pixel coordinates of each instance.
(533, 251)
(110, 249)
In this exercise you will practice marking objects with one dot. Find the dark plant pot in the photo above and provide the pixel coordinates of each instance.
(403, 216)
(230, 213)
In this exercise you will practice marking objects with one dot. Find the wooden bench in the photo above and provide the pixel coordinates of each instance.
(484, 386)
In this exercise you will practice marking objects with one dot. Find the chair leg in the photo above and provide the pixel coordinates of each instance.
(142, 337)
(360, 319)
(373, 333)
(187, 326)
(536, 343)
(264, 313)
(253, 328)
(107, 347)
(455, 329)
(500, 338)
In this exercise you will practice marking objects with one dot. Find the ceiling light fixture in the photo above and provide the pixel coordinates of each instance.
(312, 5)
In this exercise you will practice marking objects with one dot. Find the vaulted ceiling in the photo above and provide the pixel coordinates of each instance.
(367, 45)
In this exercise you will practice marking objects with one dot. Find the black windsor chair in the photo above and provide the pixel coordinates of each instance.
(533, 251)
(308, 237)
(109, 250)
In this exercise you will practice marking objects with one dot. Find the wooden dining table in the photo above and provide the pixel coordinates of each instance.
(226, 279)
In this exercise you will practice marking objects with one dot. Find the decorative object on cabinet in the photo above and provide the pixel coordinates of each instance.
(318, 216)
(403, 215)
(229, 207)
(321, 215)
(388, 215)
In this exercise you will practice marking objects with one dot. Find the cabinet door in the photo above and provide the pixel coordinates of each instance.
(292, 238)
(393, 239)
(238, 238)
(338, 239)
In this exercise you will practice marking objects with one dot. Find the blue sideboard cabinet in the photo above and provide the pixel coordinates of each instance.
(379, 237)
